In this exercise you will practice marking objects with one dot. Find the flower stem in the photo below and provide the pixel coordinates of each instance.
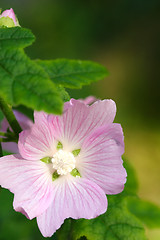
(7, 111)
(7, 134)
(8, 140)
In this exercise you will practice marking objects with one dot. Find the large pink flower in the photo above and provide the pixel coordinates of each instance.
(66, 165)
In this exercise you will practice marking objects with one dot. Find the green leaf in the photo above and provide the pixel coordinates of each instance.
(22, 81)
(15, 37)
(131, 186)
(64, 231)
(63, 94)
(73, 73)
(147, 212)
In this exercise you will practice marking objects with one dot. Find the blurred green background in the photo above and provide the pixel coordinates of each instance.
(124, 36)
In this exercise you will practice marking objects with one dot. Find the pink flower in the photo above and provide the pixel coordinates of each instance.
(66, 165)
(24, 122)
(10, 13)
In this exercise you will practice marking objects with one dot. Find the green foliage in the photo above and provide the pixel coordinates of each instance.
(147, 212)
(22, 80)
(63, 94)
(73, 73)
(39, 84)
(131, 186)
(15, 37)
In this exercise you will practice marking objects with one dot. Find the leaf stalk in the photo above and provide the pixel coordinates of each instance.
(8, 113)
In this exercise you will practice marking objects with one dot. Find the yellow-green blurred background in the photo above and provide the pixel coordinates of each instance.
(124, 36)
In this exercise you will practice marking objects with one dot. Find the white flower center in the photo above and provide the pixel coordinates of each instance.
(63, 162)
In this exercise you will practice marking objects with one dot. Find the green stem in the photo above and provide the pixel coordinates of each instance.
(8, 137)
(8, 140)
(2, 134)
(7, 134)
(7, 111)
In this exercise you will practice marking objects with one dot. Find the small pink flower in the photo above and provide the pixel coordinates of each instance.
(24, 122)
(10, 13)
(66, 165)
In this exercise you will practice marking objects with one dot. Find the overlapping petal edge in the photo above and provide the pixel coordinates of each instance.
(89, 128)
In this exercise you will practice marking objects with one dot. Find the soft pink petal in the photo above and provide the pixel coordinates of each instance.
(10, 147)
(75, 198)
(100, 158)
(41, 122)
(9, 13)
(79, 120)
(40, 117)
(35, 144)
(30, 181)
(38, 141)
(24, 122)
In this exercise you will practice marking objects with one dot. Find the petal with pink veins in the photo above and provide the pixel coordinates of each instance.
(41, 122)
(75, 198)
(100, 158)
(79, 120)
(37, 142)
(30, 181)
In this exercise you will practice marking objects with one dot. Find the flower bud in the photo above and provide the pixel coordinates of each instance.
(8, 19)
